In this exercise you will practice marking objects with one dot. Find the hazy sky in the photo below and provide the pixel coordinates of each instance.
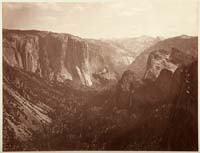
(106, 19)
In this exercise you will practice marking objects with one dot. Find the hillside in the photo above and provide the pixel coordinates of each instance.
(187, 45)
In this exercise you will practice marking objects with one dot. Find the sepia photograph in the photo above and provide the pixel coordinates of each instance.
(100, 75)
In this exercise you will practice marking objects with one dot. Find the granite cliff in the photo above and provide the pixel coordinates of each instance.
(60, 57)
(181, 44)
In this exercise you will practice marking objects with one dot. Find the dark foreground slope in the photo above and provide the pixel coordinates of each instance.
(39, 115)
(182, 130)
(165, 113)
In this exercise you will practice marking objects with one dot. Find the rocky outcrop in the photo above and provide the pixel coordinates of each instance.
(157, 61)
(125, 87)
(60, 57)
(186, 45)
(163, 59)
(127, 82)
(156, 82)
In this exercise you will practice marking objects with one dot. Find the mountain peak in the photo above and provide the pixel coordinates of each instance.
(185, 36)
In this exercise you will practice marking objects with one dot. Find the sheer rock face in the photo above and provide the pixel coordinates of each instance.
(22, 52)
(162, 59)
(182, 131)
(62, 57)
(186, 45)
(53, 56)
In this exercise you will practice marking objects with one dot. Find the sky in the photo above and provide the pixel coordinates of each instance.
(105, 18)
